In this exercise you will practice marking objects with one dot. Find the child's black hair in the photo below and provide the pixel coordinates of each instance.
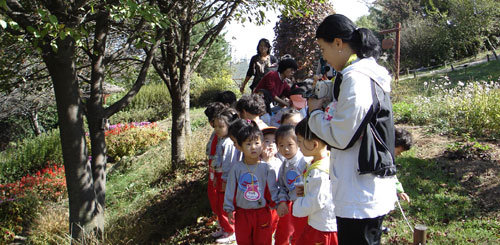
(236, 125)
(250, 130)
(288, 114)
(361, 40)
(228, 115)
(227, 97)
(403, 138)
(253, 104)
(284, 131)
(287, 63)
(302, 129)
(212, 109)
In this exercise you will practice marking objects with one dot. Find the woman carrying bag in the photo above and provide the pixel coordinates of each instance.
(361, 199)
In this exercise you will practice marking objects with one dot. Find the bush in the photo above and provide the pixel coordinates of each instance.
(141, 115)
(16, 215)
(472, 108)
(152, 103)
(30, 155)
(203, 90)
(130, 140)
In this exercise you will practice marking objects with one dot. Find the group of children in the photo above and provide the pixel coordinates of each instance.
(266, 180)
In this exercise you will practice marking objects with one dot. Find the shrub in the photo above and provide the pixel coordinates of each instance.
(141, 115)
(203, 90)
(16, 215)
(152, 103)
(30, 155)
(130, 140)
(472, 108)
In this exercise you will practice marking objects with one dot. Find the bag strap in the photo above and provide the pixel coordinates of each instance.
(373, 111)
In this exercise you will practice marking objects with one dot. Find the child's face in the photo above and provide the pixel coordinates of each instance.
(220, 128)
(287, 146)
(398, 150)
(252, 148)
(306, 146)
(294, 120)
(270, 143)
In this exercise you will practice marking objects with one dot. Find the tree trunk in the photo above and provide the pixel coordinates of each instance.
(82, 197)
(178, 123)
(34, 122)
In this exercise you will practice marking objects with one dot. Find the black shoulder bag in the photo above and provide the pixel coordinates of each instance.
(376, 154)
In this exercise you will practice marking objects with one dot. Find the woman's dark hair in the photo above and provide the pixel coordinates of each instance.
(212, 109)
(403, 138)
(228, 115)
(227, 97)
(287, 63)
(253, 104)
(250, 130)
(289, 113)
(361, 40)
(268, 98)
(302, 129)
(284, 131)
(267, 43)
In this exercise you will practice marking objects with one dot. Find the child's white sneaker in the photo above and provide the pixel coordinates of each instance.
(218, 233)
(226, 238)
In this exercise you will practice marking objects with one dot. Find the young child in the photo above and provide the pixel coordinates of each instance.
(404, 142)
(250, 188)
(315, 198)
(291, 117)
(268, 155)
(289, 227)
(211, 110)
(251, 107)
(225, 156)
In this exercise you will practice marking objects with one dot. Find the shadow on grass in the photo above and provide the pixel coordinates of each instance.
(444, 191)
(178, 206)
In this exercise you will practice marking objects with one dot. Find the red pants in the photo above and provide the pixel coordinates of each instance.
(211, 191)
(316, 237)
(253, 226)
(289, 226)
(221, 214)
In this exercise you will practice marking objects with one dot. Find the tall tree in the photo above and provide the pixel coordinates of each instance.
(59, 31)
(180, 53)
(295, 35)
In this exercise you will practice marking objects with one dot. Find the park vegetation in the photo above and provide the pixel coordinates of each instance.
(58, 152)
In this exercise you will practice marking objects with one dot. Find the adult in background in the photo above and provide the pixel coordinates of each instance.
(260, 64)
(276, 82)
(361, 200)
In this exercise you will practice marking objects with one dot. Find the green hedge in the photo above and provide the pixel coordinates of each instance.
(30, 155)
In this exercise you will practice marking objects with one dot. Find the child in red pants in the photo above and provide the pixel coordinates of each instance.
(250, 186)
(226, 155)
(289, 227)
(315, 196)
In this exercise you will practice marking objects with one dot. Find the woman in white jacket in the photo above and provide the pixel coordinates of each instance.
(361, 201)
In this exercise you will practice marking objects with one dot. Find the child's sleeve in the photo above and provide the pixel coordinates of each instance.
(282, 187)
(316, 196)
(272, 187)
(230, 191)
(399, 186)
(228, 159)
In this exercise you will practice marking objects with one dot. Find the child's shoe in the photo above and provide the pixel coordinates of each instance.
(226, 238)
(218, 233)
